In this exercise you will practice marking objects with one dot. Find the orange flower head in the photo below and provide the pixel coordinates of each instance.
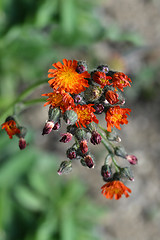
(59, 99)
(111, 97)
(120, 80)
(102, 79)
(116, 116)
(85, 115)
(65, 77)
(116, 189)
(11, 128)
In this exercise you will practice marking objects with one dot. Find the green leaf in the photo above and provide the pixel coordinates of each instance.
(29, 199)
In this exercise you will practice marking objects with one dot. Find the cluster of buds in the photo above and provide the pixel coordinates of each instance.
(12, 128)
(77, 97)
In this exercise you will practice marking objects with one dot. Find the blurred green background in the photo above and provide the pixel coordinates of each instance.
(35, 203)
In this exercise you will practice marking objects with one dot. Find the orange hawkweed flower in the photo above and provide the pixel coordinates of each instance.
(116, 116)
(112, 97)
(65, 77)
(120, 80)
(116, 189)
(11, 128)
(101, 78)
(59, 99)
(85, 114)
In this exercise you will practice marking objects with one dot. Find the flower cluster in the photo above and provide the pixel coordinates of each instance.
(12, 128)
(78, 96)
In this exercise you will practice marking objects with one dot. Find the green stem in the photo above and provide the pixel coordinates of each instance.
(115, 164)
(105, 131)
(20, 98)
(105, 143)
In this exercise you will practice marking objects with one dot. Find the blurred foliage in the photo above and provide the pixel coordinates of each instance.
(33, 34)
(36, 203)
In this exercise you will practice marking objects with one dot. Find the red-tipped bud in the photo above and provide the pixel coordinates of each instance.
(99, 108)
(106, 172)
(57, 126)
(66, 137)
(84, 146)
(132, 159)
(22, 143)
(112, 97)
(95, 138)
(72, 155)
(89, 161)
(80, 69)
(48, 127)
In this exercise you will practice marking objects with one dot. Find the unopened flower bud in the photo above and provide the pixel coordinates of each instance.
(65, 167)
(95, 138)
(126, 173)
(66, 137)
(80, 134)
(99, 108)
(89, 161)
(113, 136)
(84, 146)
(57, 126)
(106, 172)
(77, 98)
(80, 69)
(70, 117)
(9, 118)
(22, 143)
(120, 151)
(92, 93)
(132, 159)
(54, 114)
(71, 153)
(23, 132)
(103, 68)
(48, 127)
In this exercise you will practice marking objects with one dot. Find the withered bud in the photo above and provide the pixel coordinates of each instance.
(66, 137)
(54, 114)
(89, 161)
(22, 143)
(120, 151)
(103, 68)
(57, 126)
(84, 146)
(48, 127)
(93, 93)
(106, 172)
(70, 117)
(23, 132)
(65, 167)
(132, 159)
(99, 108)
(95, 138)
